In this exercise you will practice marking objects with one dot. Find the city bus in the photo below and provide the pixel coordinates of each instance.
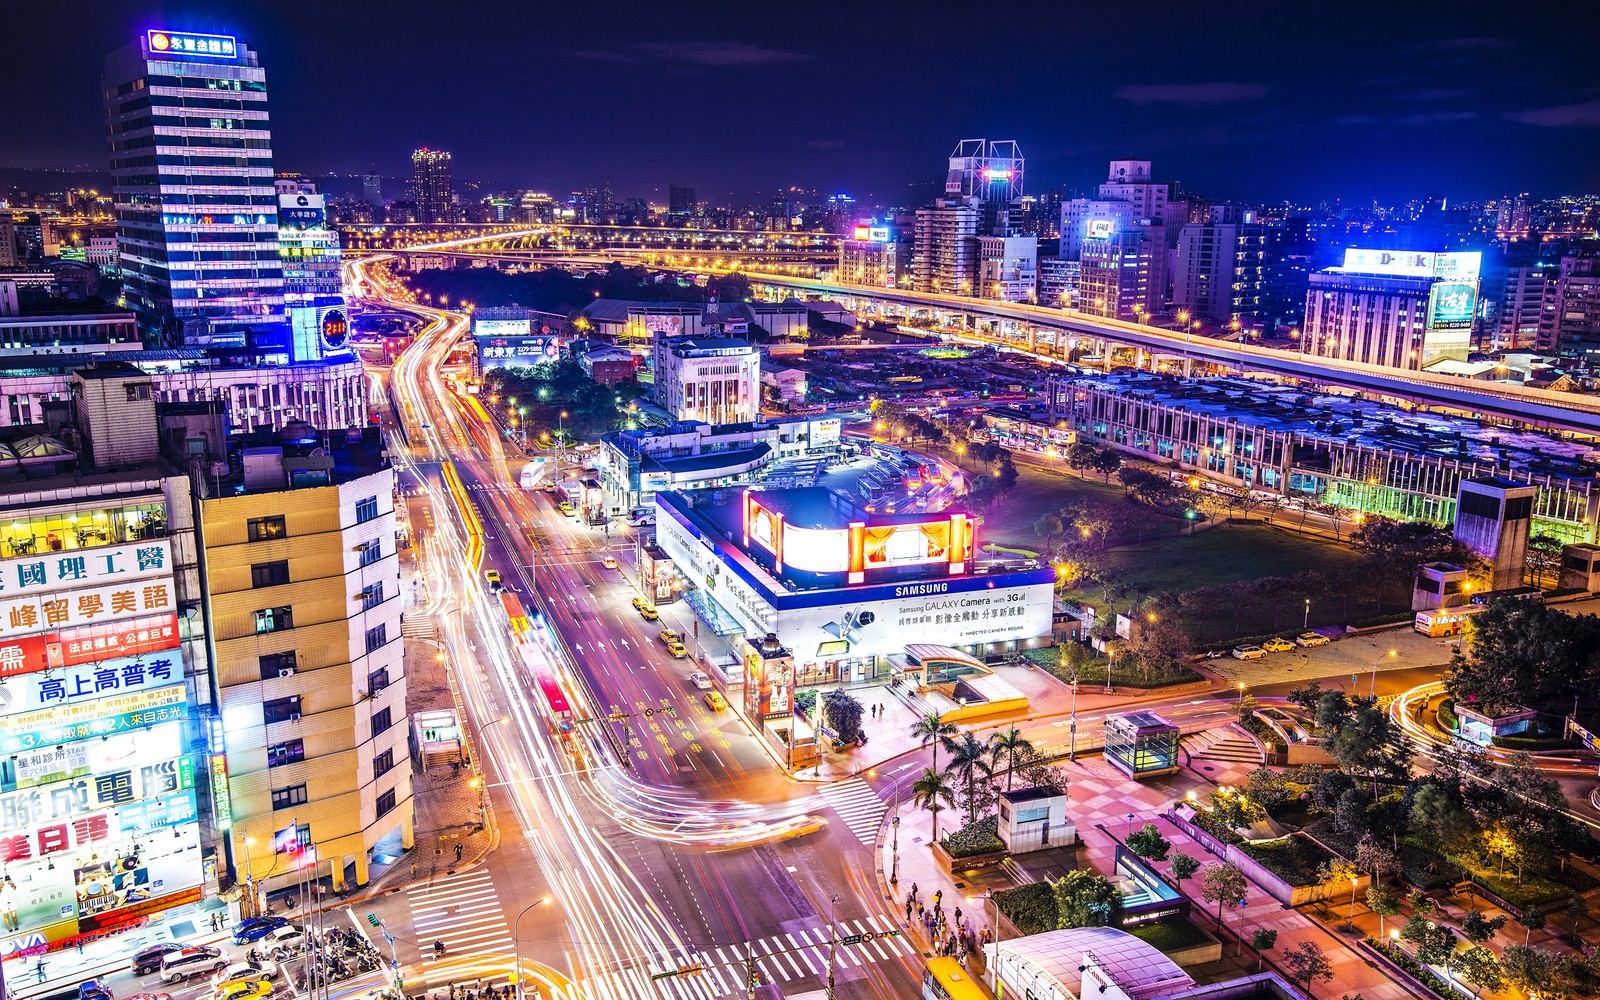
(514, 613)
(1445, 621)
(560, 708)
(945, 979)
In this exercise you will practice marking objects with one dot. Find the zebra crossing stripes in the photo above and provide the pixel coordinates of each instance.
(800, 955)
(464, 912)
(418, 625)
(858, 805)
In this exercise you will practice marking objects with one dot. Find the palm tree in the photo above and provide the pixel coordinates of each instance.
(969, 760)
(932, 792)
(1008, 744)
(929, 728)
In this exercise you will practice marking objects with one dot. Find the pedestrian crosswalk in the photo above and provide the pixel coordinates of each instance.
(796, 956)
(858, 805)
(462, 911)
(417, 625)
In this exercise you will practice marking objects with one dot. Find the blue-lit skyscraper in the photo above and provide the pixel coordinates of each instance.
(191, 155)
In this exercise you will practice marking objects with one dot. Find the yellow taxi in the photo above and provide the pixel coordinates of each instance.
(1276, 645)
(646, 610)
(244, 989)
(669, 636)
(715, 701)
(566, 508)
(677, 649)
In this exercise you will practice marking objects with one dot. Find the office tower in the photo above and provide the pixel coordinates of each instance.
(1008, 268)
(1122, 273)
(944, 251)
(9, 257)
(869, 257)
(1400, 309)
(1221, 267)
(989, 175)
(302, 587)
(537, 207)
(1569, 323)
(1130, 181)
(313, 290)
(1058, 282)
(191, 159)
(430, 186)
(372, 190)
(1519, 302)
(680, 201)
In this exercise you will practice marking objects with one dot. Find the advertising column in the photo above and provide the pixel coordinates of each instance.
(98, 817)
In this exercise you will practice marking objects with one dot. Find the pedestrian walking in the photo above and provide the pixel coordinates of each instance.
(913, 890)
(908, 911)
(921, 910)
(958, 914)
(459, 850)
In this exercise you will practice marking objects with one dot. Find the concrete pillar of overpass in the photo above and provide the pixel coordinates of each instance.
(1105, 355)
(1033, 340)
(1139, 355)
(1188, 367)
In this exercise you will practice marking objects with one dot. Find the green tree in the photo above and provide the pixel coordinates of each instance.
(1436, 943)
(1183, 867)
(1049, 528)
(1480, 968)
(1107, 461)
(1520, 653)
(930, 728)
(1525, 968)
(932, 792)
(1369, 743)
(1306, 962)
(1382, 901)
(1531, 920)
(1084, 899)
(1008, 745)
(1080, 455)
(1262, 941)
(1224, 884)
(843, 714)
(1148, 843)
(969, 763)
(1438, 815)
(1335, 876)
(1477, 928)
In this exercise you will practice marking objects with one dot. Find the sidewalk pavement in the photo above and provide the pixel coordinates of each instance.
(1100, 799)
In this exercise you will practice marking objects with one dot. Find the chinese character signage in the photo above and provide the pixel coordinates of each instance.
(78, 568)
(100, 717)
(26, 615)
(68, 685)
(88, 645)
(188, 43)
(1451, 305)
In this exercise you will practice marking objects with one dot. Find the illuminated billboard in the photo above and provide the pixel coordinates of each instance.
(1101, 229)
(93, 719)
(502, 327)
(857, 549)
(68, 685)
(26, 615)
(71, 570)
(188, 43)
(1461, 266)
(1451, 305)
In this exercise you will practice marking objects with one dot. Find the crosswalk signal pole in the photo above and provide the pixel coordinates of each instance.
(833, 939)
(750, 966)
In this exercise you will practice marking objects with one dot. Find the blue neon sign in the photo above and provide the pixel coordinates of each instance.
(184, 43)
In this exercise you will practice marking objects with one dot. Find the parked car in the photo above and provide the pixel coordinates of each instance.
(188, 962)
(669, 636)
(1248, 651)
(678, 650)
(256, 928)
(1276, 645)
(244, 970)
(148, 959)
(700, 681)
(715, 701)
(1311, 639)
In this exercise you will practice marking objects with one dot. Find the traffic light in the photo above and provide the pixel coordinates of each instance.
(755, 978)
(372, 918)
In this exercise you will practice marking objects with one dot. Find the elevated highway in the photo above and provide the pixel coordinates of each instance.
(1048, 332)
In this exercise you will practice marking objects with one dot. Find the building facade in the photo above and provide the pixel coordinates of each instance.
(303, 602)
(1220, 267)
(1518, 304)
(191, 158)
(714, 380)
(1122, 275)
(869, 262)
(1008, 268)
(1399, 309)
(313, 288)
(430, 186)
(944, 255)
(67, 333)
(1569, 321)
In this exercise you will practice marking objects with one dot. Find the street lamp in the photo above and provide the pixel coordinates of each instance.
(516, 937)
(1241, 692)
(1353, 881)
(1307, 623)
(1372, 688)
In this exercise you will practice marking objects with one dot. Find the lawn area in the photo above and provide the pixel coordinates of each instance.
(1038, 492)
(1293, 859)
(1170, 935)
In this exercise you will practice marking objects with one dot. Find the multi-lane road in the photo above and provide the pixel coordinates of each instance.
(679, 858)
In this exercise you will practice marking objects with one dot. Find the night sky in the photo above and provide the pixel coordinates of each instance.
(1250, 101)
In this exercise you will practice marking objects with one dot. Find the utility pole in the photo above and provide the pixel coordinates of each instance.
(833, 939)
(750, 967)
(1072, 727)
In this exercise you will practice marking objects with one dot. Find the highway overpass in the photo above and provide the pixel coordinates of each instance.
(1493, 400)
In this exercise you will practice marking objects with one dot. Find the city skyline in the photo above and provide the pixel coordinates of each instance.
(1250, 104)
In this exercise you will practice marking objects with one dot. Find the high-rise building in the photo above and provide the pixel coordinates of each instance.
(1569, 323)
(1518, 296)
(430, 186)
(1058, 282)
(1400, 309)
(944, 253)
(1220, 267)
(313, 289)
(870, 257)
(302, 597)
(681, 201)
(372, 190)
(1122, 274)
(1130, 181)
(1008, 268)
(987, 174)
(191, 158)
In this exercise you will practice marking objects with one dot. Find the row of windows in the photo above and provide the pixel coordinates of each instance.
(209, 83)
(183, 121)
(208, 103)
